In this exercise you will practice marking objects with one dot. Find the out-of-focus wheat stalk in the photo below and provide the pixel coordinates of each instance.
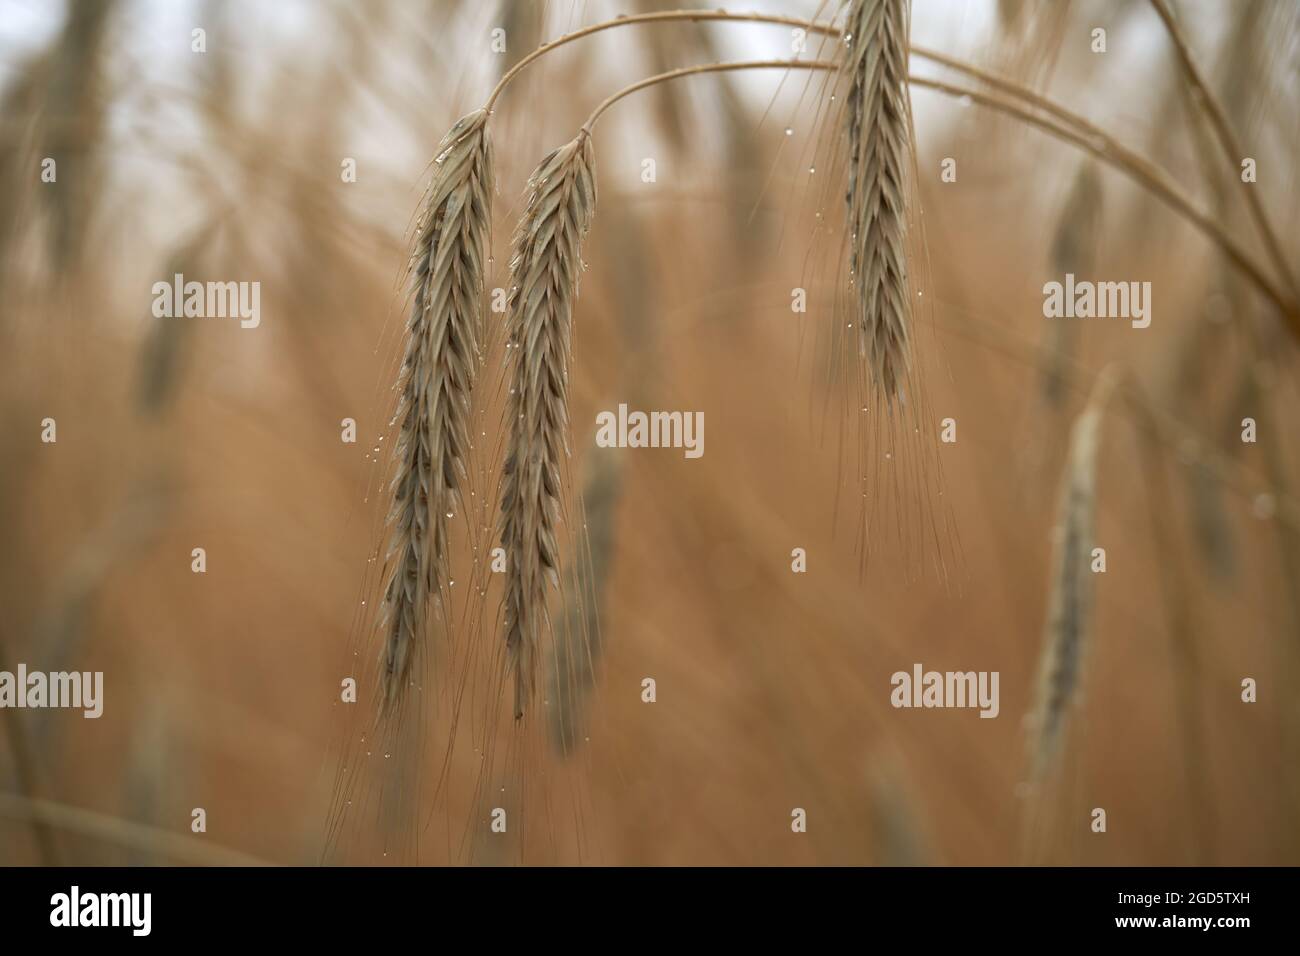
(578, 644)
(544, 275)
(75, 123)
(1181, 616)
(1070, 602)
(1231, 148)
(161, 355)
(878, 120)
(1074, 249)
(434, 388)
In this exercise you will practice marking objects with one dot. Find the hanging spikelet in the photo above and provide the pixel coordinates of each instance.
(1070, 604)
(434, 389)
(544, 283)
(878, 123)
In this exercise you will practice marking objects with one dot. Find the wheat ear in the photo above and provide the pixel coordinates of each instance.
(434, 384)
(1074, 249)
(544, 274)
(879, 144)
(1071, 600)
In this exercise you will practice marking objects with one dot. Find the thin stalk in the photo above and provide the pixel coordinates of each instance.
(665, 16)
(704, 68)
(1288, 540)
(812, 26)
(1144, 172)
(1232, 150)
(1089, 138)
(1085, 134)
(1180, 613)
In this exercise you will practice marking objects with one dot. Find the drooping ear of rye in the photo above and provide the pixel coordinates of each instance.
(544, 273)
(434, 384)
(878, 132)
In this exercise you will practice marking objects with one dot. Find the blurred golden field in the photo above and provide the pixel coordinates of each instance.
(222, 689)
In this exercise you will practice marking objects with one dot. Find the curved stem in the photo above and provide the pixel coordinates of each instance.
(1010, 87)
(665, 16)
(704, 68)
(825, 29)
(1086, 136)
(1142, 171)
(1232, 150)
(1081, 133)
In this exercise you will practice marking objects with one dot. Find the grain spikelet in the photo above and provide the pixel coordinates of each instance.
(879, 138)
(1070, 604)
(544, 282)
(1074, 249)
(434, 389)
